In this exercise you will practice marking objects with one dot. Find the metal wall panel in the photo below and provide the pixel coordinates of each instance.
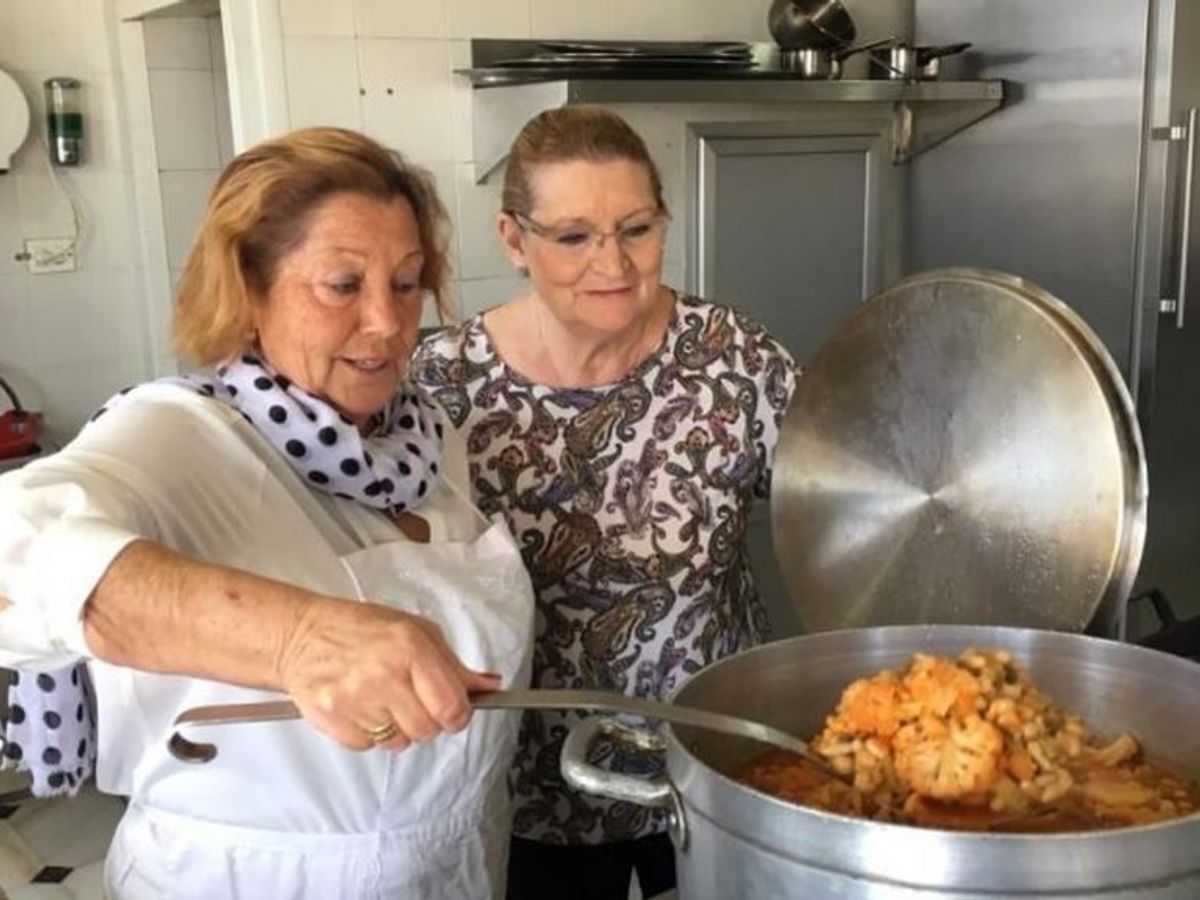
(1047, 188)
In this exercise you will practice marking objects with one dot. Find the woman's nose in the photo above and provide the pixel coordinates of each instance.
(608, 256)
(383, 313)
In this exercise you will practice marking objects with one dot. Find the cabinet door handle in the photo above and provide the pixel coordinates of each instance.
(1185, 238)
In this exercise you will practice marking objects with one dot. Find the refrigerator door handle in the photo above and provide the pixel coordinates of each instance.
(1187, 134)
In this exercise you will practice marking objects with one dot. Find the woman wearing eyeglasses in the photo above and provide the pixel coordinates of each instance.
(624, 430)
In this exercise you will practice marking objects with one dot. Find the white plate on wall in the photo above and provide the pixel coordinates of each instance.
(14, 119)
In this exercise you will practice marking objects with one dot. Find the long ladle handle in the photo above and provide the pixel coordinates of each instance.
(599, 701)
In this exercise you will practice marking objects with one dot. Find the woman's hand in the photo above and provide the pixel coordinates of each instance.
(353, 668)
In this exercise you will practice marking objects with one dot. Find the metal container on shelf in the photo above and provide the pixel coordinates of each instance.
(795, 24)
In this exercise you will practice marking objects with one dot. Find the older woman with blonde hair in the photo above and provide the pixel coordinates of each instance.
(623, 429)
(286, 521)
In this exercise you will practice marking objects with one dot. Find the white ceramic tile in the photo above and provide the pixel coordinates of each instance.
(558, 19)
(104, 140)
(654, 20)
(718, 20)
(323, 82)
(177, 44)
(443, 178)
(44, 210)
(216, 42)
(183, 197)
(461, 110)
(389, 18)
(106, 201)
(489, 18)
(71, 393)
(479, 246)
(87, 882)
(484, 293)
(408, 99)
(18, 861)
(185, 117)
(224, 122)
(317, 17)
(10, 227)
(100, 53)
(46, 34)
(39, 892)
(16, 317)
(72, 318)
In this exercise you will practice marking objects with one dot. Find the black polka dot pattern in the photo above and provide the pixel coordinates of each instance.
(50, 729)
(392, 467)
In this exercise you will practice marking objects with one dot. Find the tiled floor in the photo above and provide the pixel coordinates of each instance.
(63, 839)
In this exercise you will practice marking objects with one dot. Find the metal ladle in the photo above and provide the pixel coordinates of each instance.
(596, 701)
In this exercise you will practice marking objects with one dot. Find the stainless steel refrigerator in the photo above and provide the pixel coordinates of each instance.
(1086, 183)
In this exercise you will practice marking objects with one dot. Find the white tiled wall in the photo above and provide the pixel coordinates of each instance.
(68, 340)
(189, 100)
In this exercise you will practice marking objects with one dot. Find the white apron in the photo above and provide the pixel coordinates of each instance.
(440, 810)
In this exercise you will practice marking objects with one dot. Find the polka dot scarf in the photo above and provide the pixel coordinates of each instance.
(393, 468)
(51, 728)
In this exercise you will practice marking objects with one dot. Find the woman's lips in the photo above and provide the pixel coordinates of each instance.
(609, 293)
(368, 366)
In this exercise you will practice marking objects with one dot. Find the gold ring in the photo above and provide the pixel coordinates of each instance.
(382, 733)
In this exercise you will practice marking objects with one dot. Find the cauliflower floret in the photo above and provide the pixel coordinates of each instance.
(941, 687)
(870, 706)
(948, 758)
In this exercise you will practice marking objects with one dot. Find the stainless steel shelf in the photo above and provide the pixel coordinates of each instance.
(923, 113)
(738, 88)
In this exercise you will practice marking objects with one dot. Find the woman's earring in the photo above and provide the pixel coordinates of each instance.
(523, 271)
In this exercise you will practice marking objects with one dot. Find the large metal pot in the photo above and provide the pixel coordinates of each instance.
(810, 23)
(732, 841)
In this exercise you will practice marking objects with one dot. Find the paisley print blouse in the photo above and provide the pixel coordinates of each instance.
(629, 502)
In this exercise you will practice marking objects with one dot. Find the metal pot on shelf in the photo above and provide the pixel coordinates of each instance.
(905, 62)
(962, 450)
(800, 24)
(818, 63)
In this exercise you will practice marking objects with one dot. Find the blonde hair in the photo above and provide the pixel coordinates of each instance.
(259, 210)
(567, 134)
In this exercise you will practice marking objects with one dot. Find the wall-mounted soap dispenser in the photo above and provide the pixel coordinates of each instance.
(64, 121)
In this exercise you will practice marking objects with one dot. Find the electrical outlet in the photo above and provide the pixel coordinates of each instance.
(50, 255)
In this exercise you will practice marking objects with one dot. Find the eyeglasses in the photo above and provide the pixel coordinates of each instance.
(582, 242)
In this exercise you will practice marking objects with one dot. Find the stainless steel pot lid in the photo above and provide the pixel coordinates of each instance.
(961, 450)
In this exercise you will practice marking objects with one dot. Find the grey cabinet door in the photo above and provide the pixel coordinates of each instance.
(794, 225)
(792, 228)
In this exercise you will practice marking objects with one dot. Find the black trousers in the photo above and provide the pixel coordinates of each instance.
(538, 871)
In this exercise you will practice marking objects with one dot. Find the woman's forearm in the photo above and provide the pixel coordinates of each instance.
(157, 610)
(348, 666)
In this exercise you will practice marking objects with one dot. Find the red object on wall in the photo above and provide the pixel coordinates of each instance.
(20, 429)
